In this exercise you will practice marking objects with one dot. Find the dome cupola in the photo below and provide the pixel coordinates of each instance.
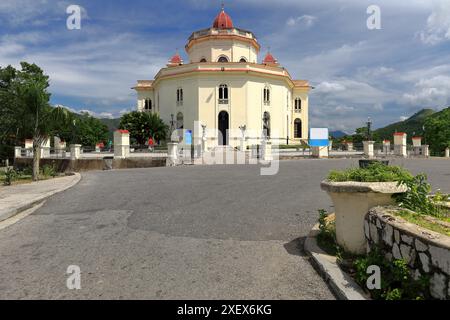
(175, 60)
(270, 60)
(223, 20)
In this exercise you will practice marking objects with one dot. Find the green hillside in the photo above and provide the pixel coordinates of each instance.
(113, 125)
(412, 126)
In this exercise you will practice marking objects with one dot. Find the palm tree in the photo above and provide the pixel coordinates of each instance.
(39, 119)
(143, 125)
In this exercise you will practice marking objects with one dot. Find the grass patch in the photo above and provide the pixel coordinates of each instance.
(375, 172)
(422, 221)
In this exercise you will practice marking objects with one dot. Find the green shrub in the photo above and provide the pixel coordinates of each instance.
(416, 198)
(397, 282)
(9, 176)
(375, 172)
(48, 171)
(327, 234)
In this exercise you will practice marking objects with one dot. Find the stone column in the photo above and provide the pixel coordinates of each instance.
(45, 149)
(267, 150)
(121, 144)
(426, 150)
(17, 152)
(29, 147)
(319, 152)
(349, 146)
(172, 154)
(400, 144)
(386, 146)
(368, 148)
(75, 151)
(447, 152)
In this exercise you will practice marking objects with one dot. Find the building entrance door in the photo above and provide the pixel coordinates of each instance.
(224, 125)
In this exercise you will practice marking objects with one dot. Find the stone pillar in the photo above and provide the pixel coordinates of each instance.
(349, 146)
(368, 148)
(17, 152)
(60, 145)
(417, 141)
(426, 150)
(319, 152)
(172, 154)
(75, 151)
(243, 144)
(386, 146)
(29, 147)
(121, 144)
(45, 149)
(400, 144)
(447, 152)
(267, 150)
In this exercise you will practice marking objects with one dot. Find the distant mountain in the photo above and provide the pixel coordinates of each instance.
(412, 126)
(113, 125)
(338, 134)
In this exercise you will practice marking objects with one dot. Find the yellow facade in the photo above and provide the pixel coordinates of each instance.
(255, 91)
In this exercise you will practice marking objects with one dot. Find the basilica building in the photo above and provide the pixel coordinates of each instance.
(224, 86)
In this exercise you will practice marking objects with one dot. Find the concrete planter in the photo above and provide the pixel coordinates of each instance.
(352, 201)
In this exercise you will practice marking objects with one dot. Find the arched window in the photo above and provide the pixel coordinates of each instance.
(267, 95)
(266, 124)
(180, 121)
(243, 60)
(223, 94)
(223, 59)
(179, 96)
(203, 60)
(298, 105)
(148, 105)
(298, 128)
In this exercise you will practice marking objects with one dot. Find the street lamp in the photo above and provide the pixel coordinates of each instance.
(369, 125)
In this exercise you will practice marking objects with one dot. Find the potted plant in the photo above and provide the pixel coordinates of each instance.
(354, 192)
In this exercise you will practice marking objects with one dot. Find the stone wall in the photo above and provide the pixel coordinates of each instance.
(80, 165)
(426, 252)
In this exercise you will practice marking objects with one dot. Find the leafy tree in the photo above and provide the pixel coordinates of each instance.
(437, 131)
(33, 116)
(143, 125)
(85, 130)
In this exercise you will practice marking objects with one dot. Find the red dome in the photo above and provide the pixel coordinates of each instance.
(176, 59)
(269, 59)
(223, 21)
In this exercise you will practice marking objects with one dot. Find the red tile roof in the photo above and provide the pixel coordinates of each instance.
(223, 21)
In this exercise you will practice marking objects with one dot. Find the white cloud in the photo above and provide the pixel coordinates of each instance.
(305, 21)
(327, 87)
(438, 24)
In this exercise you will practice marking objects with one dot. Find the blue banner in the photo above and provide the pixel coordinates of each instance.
(318, 142)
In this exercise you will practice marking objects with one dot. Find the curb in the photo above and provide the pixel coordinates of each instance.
(342, 284)
(27, 205)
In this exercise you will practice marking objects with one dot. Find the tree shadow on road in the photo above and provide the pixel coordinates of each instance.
(295, 247)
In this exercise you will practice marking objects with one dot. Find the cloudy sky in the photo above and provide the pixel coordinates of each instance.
(386, 74)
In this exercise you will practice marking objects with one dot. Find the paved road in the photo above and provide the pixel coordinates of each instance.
(204, 232)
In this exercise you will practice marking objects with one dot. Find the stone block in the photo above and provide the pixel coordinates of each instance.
(407, 239)
(397, 236)
(437, 286)
(388, 234)
(420, 246)
(425, 262)
(374, 233)
(396, 252)
(440, 258)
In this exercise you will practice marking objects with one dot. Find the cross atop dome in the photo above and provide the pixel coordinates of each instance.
(223, 20)
(269, 59)
(175, 60)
